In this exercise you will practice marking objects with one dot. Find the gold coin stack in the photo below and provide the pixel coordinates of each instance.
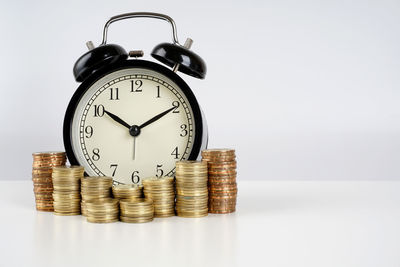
(95, 188)
(138, 210)
(102, 210)
(66, 190)
(191, 189)
(41, 177)
(222, 187)
(123, 191)
(161, 191)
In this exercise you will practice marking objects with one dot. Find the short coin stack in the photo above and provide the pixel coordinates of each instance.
(102, 210)
(95, 188)
(222, 187)
(123, 191)
(191, 189)
(41, 177)
(161, 191)
(138, 210)
(66, 182)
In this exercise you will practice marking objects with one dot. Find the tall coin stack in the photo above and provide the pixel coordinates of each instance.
(222, 187)
(191, 189)
(138, 210)
(66, 182)
(161, 191)
(102, 210)
(123, 191)
(41, 177)
(95, 188)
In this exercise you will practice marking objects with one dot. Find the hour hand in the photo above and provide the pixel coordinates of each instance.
(117, 119)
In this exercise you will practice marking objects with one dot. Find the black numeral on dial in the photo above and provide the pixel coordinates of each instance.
(98, 110)
(135, 85)
(115, 166)
(158, 92)
(135, 177)
(96, 155)
(159, 171)
(175, 153)
(176, 105)
(89, 131)
(114, 94)
(184, 130)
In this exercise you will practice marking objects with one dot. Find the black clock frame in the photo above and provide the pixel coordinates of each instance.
(124, 64)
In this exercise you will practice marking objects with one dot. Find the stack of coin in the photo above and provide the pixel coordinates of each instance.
(66, 182)
(41, 177)
(222, 187)
(102, 210)
(123, 191)
(95, 188)
(137, 210)
(161, 191)
(191, 189)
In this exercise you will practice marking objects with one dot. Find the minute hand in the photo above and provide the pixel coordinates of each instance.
(156, 118)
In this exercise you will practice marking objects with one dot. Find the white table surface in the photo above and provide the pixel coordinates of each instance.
(276, 224)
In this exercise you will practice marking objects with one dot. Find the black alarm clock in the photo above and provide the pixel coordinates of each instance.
(129, 118)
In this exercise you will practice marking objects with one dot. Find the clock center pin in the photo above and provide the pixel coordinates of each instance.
(134, 130)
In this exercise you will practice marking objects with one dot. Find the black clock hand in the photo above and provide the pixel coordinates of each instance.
(159, 116)
(117, 119)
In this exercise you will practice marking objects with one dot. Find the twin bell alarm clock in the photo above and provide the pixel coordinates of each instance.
(132, 118)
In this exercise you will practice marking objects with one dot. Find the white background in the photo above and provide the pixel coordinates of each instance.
(301, 89)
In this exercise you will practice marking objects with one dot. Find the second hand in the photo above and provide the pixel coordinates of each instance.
(134, 147)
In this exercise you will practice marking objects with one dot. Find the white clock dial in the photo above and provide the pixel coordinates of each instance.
(105, 142)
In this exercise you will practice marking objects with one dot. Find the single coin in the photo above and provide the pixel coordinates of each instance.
(222, 211)
(156, 180)
(218, 151)
(67, 213)
(190, 164)
(95, 220)
(191, 215)
(42, 180)
(49, 153)
(44, 209)
(135, 220)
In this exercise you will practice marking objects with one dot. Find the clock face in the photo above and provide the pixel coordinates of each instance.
(132, 124)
